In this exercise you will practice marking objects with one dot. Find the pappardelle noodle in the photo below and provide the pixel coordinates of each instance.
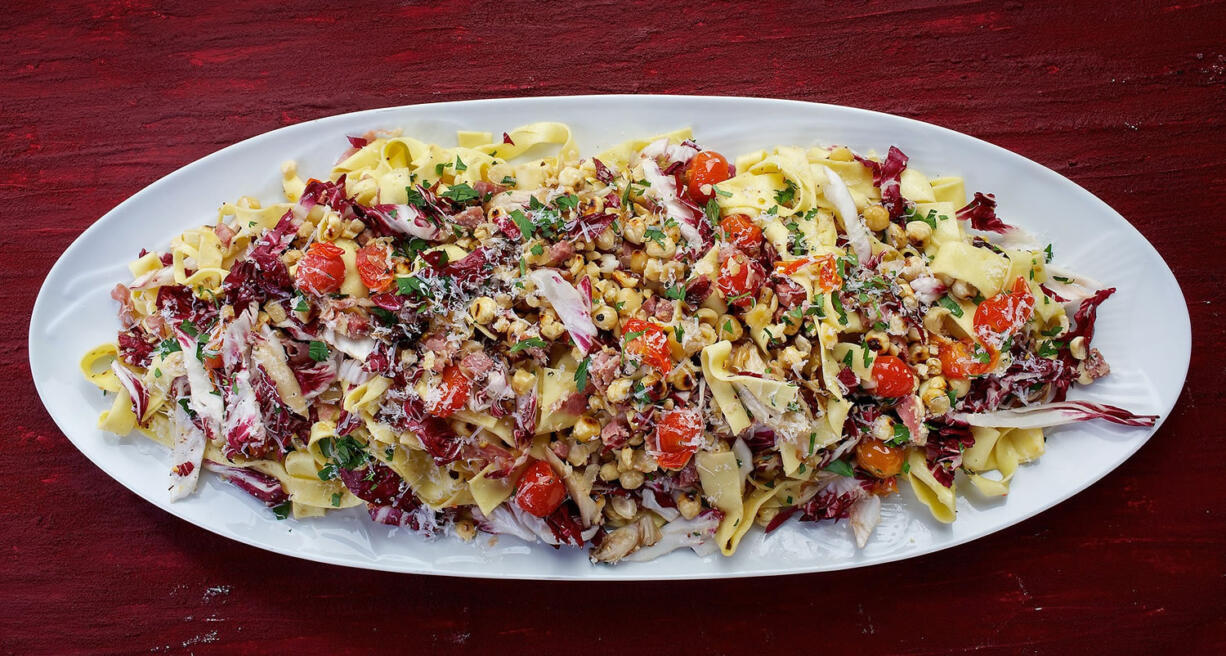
(649, 349)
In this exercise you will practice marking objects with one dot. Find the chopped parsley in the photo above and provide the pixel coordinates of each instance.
(167, 347)
(531, 342)
(459, 164)
(537, 250)
(786, 195)
(508, 180)
(526, 228)
(950, 304)
(902, 435)
(840, 467)
(319, 351)
(282, 511)
(1047, 253)
(567, 202)
(675, 292)
(1049, 349)
(581, 374)
(461, 193)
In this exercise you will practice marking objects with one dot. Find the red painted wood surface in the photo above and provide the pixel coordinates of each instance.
(99, 99)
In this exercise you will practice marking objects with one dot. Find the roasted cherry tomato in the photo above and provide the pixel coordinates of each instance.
(374, 266)
(677, 437)
(1001, 316)
(540, 491)
(828, 277)
(741, 231)
(878, 458)
(648, 341)
(958, 359)
(706, 169)
(893, 377)
(452, 393)
(738, 280)
(321, 269)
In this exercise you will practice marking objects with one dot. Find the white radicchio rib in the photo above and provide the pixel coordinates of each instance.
(186, 454)
(864, 516)
(579, 485)
(508, 519)
(745, 457)
(136, 390)
(693, 533)
(1055, 414)
(651, 503)
(244, 423)
(409, 220)
(237, 338)
(568, 303)
(837, 193)
(674, 152)
(665, 189)
(928, 289)
(156, 278)
(358, 348)
(203, 401)
(352, 372)
(1070, 285)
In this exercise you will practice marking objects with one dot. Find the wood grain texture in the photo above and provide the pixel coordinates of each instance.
(99, 99)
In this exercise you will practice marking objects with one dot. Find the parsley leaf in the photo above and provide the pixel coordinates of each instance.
(319, 351)
(675, 292)
(282, 511)
(581, 374)
(785, 196)
(901, 435)
(460, 193)
(1050, 349)
(950, 304)
(567, 202)
(840, 467)
(531, 342)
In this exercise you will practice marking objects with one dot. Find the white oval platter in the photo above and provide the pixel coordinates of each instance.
(1143, 330)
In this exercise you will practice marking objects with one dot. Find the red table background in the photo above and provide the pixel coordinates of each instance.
(1127, 99)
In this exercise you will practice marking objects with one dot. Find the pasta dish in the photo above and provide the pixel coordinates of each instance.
(649, 349)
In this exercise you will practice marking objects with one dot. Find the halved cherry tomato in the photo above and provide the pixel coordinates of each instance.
(321, 269)
(540, 491)
(878, 458)
(741, 231)
(893, 377)
(828, 277)
(677, 437)
(738, 280)
(453, 393)
(1000, 316)
(649, 343)
(374, 267)
(958, 361)
(706, 169)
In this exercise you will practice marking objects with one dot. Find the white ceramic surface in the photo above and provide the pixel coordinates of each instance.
(75, 312)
